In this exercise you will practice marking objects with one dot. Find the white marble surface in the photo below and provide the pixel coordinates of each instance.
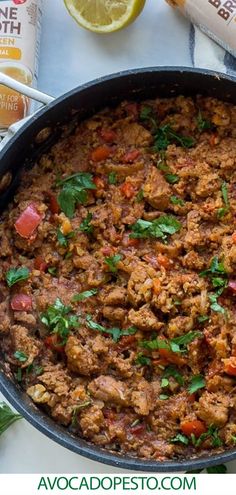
(69, 57)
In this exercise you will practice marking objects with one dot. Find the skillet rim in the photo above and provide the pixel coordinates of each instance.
(20, 401)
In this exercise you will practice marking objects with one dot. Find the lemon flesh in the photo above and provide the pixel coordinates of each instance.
(104, 16)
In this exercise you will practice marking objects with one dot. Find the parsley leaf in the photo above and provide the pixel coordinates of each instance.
(143, 360)
(202, 123)
(115, 332)
(74, 190)
(112, 178)
(112, 262)
(196, 383)
(164, 382)
(178, 344)
(171, 371)
(52, 270)
(166, 224)
(165, 135)
(63, 239)
(203, 318)
(176, 201)
(84, 295)
(179, 438)
(172, 178)
(15, 275)
(58, 321)
(220, 281)
(224, 192)
(139, 196)
(21, 356)
(211, 433)
(7, 417)
(85, 224)
(147, 115)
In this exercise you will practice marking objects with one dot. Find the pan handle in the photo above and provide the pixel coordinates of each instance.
(25, 90)
(30, 93)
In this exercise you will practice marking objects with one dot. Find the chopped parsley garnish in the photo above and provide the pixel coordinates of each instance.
(211, 433)
(202, 123)
(18, 375)
(178, 344)
(180, 438)
(219, 280)
(147, 115)
(172, 178)
(76, 410)
(112, 262)
(164, 397)
(52, 270)
(171, 371)
(165, 136)
(15, 275)
(84, 295)
(112, 178)
(58, 320)
(85, 225)
(139, 196)
(197, 382)
(203, 318)
(176, 201)
(115, 332)
(159, 228)
(63, 239)
(7, 417)
(164, 382)
(34, 369)
(74, 190)
(20, 356)
(143, 360)
(224, 192)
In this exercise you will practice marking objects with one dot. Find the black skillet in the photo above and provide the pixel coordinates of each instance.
(30, 142)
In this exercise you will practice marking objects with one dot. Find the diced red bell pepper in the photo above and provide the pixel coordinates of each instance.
(132, 109)
(131, 156)
(53, 204)
(28, 221)
(21, 302)
(108, 135)
(126, 342)
(230, 366)
(100, 153)
(127, 190)
(172, 357)
(128, 241)
(138, 429)
(194, 427)
(164, 261)
(53, 343)
(234, 238)
(99, 182)
(232, 286)
(40, 264)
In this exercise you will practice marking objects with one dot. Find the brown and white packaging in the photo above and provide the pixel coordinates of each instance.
(216, 18)
(20, 25)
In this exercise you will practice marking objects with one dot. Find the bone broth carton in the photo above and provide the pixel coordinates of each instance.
(216, 18)
(20, 23)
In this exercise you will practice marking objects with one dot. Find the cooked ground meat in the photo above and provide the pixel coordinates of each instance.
(117, 288)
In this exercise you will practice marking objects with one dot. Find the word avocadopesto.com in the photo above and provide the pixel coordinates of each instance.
(125, 483)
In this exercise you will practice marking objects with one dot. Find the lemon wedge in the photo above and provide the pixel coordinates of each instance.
(104, 16)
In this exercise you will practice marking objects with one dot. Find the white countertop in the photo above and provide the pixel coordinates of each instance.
(70, 56)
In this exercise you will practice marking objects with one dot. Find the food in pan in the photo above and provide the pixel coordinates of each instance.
(117, 279)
